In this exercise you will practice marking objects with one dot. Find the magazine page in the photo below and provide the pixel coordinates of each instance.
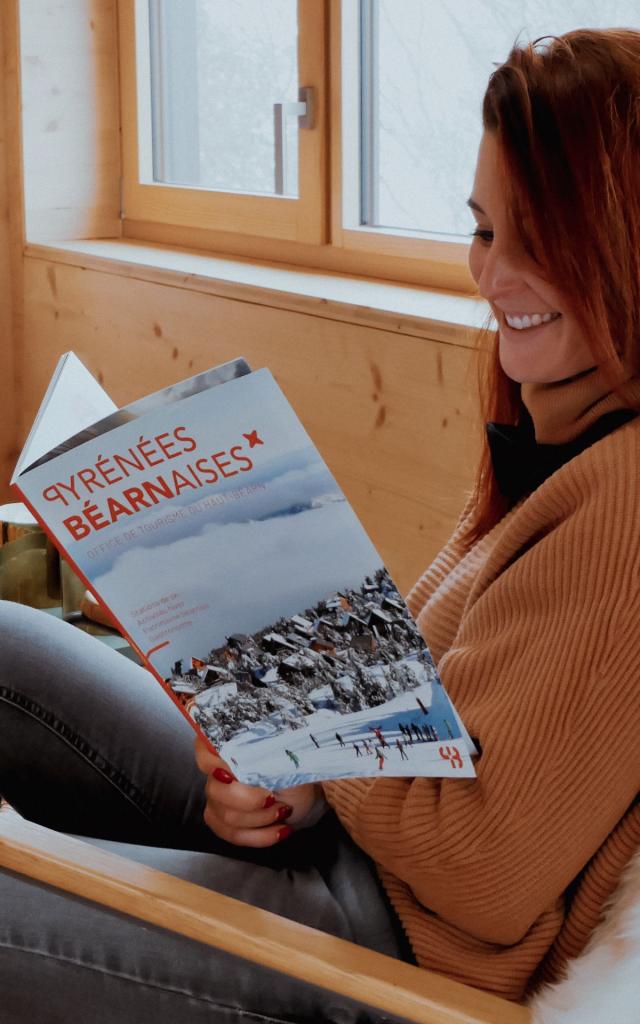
(224, 547)
(174, 393)
(73, 401)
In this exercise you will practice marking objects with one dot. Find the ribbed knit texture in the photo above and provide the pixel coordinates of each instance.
(499, 880)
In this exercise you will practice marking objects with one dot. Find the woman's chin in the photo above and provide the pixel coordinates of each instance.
(518, 369)
(546, 354)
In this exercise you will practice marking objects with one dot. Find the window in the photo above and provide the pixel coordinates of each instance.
(334, 133)
(212, 113)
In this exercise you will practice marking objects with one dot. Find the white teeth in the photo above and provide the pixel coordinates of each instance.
(522, 323)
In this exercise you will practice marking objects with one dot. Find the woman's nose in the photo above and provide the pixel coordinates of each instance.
(500, 274)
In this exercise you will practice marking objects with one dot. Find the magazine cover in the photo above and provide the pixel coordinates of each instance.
(209, 525)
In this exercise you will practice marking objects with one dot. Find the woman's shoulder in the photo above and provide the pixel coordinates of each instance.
(603, 474)
(580, 527)
(590, 502)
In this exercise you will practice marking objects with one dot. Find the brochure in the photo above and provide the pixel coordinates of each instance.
(207, 523)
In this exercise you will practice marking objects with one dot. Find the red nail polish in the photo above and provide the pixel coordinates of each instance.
(222, 775)
(284, 833)
(284, 812)
(269, 802)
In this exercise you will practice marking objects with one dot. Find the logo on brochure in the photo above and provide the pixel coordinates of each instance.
(451, 754)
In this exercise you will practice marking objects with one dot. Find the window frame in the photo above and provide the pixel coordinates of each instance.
(297, 219)
(282, 229)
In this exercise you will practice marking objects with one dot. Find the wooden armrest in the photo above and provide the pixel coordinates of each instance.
(293, 949)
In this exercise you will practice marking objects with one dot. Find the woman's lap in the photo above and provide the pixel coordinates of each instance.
(59, 954)
(65, 959)
(89, 744)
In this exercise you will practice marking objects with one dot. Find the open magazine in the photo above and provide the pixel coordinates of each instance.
(205, 520)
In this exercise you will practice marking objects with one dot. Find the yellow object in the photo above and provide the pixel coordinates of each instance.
(29, 563)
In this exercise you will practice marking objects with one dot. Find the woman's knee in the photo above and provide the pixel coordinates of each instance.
(23, 633)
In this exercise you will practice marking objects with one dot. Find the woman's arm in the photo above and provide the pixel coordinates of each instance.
(544, 671)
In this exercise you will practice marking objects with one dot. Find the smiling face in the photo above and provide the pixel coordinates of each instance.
(513, 284)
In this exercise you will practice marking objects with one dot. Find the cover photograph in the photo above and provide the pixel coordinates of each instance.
(206, 521)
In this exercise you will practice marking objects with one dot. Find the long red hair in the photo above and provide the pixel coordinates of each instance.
(566, 113)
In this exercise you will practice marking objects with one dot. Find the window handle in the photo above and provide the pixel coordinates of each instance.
(304, 110)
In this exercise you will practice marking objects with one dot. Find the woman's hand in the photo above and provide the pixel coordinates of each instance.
(250, 815)
(96, 612)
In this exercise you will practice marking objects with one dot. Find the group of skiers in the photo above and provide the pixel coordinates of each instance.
(411, 732)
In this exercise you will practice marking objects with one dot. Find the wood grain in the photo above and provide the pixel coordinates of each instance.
(11, 240)
(71, 132)
(405, 309)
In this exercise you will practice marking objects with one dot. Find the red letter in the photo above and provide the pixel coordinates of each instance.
(241, 458)
(189, 443)
(221, 463)
(136, 498)
(76, 527)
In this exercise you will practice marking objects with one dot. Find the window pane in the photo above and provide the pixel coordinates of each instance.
(217, 69)
(425, 66)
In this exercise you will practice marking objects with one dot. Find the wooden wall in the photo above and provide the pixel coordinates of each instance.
(8, 398)
(392, 413)
(70, 124)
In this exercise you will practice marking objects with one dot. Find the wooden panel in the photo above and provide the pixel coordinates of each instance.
(437, 316)
(8, 402)
(71, 125)
(392, 414)
(256, 935)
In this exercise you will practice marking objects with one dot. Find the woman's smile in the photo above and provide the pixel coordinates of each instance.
(531, 331)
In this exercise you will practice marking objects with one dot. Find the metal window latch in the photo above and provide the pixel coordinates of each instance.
(304, 111)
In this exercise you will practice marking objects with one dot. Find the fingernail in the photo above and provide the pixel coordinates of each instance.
(284, 833)
(269, 802)
(222, 775)
(284, 812)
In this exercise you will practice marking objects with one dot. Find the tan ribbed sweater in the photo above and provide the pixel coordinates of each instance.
(536, 634)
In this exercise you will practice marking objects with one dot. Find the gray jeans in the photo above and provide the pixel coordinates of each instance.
(90, 745)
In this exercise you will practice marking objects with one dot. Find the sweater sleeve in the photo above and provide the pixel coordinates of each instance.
(544, 672)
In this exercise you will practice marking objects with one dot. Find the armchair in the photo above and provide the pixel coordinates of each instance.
(418, 996)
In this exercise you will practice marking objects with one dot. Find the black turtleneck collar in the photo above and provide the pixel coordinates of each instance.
(521, 464)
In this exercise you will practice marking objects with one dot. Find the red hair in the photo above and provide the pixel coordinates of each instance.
(566, 113)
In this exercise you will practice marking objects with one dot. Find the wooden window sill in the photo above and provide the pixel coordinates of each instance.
(406, 309)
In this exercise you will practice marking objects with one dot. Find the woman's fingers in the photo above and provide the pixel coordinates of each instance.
(223, 788)
(249, 815)
(242, 836)
(205, 759)
(240, 814)
(233, 818)
(245, 815)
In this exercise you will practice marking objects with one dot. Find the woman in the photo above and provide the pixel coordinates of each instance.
(530, 612)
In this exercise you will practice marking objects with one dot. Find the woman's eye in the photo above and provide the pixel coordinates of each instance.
(482, 233)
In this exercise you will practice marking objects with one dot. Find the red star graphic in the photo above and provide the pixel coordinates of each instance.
(253, 438)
